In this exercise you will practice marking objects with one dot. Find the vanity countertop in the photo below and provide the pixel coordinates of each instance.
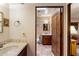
(47, 34)
(12, 48)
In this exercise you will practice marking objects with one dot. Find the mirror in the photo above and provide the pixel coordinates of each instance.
(1, 22)
(45, 27)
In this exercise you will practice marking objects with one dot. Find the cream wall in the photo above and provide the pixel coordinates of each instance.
(26, 14)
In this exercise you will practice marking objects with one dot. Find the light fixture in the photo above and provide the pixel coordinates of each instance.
(73, 30)
(17, 23)
(41, 8)
(45, 10)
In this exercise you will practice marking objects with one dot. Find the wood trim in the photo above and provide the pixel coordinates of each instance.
(62, 31)
(49, 6)
(62, 27)
(68, 26)
(35, 31)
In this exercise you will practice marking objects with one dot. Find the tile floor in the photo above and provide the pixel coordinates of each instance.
(44, 50)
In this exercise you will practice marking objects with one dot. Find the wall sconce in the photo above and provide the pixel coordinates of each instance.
(17, 23)
(73, 30)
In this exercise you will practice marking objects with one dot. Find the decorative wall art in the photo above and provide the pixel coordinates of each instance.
(45, 27)
(6, 22)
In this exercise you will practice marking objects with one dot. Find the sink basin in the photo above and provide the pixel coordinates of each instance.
(7, 50)
(12, 48)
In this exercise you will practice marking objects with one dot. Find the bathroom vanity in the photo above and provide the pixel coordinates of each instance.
(14, 49)
(46, 39)
(23, 51)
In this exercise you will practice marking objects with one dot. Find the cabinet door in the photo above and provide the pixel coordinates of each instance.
(46, 39)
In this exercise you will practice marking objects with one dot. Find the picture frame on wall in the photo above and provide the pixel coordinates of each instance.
(45, 27)
(6, 22)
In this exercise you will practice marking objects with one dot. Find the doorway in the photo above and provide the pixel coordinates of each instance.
(45, 40)
(73, 29)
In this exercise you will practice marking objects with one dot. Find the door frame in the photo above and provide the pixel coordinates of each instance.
(68, 27)
(61, 24)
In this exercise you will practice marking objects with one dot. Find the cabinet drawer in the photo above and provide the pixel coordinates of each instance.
(46, 37)
(46, 40)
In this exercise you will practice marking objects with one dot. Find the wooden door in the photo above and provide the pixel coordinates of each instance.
(56, 34)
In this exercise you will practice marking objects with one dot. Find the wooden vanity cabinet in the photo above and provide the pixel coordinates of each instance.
(46, 39)
(23, 52)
